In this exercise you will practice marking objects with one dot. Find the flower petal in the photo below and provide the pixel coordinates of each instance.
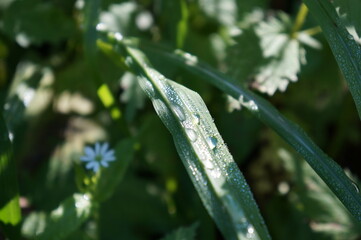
(104, 148)
(90, 165)
(110, 153)
(97, 148)
(89, 152)
(108, 159)
(104, 163)
(86, 158)
(96, 167)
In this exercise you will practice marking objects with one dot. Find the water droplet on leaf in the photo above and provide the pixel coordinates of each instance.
(196, 119)
(212, 142)
(356, 187)
(191, 134)
(179, 112)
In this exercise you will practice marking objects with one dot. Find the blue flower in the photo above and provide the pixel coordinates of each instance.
(97, 157)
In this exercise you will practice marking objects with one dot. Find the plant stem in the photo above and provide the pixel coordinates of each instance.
(300, 19)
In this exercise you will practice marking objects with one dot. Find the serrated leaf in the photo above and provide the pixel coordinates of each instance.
(350, 10)
(61, 222)
(9, 195)
(346, 50)
(183, 233)
(266, 53)
(279, 71)
(220, 184)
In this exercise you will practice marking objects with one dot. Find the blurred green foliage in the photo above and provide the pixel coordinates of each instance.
(49, 81)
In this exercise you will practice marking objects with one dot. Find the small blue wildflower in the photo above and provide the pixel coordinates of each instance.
(97, 157)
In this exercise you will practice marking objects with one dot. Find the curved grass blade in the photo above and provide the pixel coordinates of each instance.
(215, 175)
(9, 194)
(330, 172)
(345, 49)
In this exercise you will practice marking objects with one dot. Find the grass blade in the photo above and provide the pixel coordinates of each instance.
(330, 172)
(9, 194)
(345, 49)
(220, 184)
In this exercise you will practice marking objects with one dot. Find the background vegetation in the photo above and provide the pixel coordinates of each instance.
(60, 92)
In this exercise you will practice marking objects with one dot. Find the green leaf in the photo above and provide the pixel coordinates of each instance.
(183, 233)
(9, 195)
(330, 172)
(110, 177)
(345, 49)
(61, 222)
(215, 175)
(350, 10)
(35, 22)
(275, 56)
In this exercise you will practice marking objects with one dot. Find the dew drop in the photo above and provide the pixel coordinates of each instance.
(208, 164)
(356, 187)
(216, 173)
(212, 142)
(191, 134)
(350, 37)
(179, 112)
(149, 88)
(250, 231)
(196, 119)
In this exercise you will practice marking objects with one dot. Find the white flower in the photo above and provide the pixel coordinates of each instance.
(99, 156)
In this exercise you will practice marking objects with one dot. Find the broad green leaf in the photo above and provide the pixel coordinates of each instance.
(350, 10)
(9, 195)
(61, 222)
(35, 22)
(183, 233)
(345, 49)
(330, 172)
(110, 177)
(215, 175)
